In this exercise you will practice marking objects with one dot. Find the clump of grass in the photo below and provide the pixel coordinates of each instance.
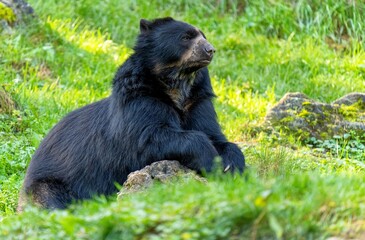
(243, 207)
(7, 105)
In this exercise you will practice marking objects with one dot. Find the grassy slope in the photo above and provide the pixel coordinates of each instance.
(58, 65)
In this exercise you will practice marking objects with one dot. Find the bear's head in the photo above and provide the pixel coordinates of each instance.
(169, 46)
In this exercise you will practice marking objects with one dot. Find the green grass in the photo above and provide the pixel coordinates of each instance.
(67, 59)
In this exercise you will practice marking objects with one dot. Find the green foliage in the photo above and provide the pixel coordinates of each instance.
(350, 145)
(67, 59)
(244, 207)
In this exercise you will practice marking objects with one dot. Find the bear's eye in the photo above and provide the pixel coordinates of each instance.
(187, 37)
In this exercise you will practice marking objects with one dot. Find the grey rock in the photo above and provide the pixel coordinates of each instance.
(304, 117)
(161, 171)
(350, 99)
(20, 8)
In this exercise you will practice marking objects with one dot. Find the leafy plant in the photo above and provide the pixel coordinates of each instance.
(350, 145)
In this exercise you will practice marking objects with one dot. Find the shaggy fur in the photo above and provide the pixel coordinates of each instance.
(160, 108)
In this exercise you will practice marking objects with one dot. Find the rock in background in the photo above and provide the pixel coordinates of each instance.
(303, 117)
(162, 171)
(13, 12)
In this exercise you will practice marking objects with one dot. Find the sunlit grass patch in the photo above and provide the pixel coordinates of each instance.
(89, 40)
(239, 109)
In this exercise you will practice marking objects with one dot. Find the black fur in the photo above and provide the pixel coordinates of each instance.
(160, 108)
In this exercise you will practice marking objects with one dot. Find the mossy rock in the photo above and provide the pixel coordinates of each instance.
(303, 117)
(7, 105)
(13, 12)
(7, 14)
(162, 171)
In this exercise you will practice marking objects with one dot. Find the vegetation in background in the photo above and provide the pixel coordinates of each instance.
(292, 190)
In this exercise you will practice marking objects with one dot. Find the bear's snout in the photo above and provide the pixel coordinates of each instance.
(209, 49)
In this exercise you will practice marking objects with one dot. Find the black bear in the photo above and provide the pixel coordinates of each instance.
(160, 109)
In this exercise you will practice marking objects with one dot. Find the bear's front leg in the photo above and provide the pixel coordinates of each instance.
(202, 117)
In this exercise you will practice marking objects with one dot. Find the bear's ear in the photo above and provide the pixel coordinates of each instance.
(144, 25)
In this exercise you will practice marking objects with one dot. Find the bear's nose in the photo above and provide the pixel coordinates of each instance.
(209, 49)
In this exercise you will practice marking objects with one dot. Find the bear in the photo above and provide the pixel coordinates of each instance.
(160, 108)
